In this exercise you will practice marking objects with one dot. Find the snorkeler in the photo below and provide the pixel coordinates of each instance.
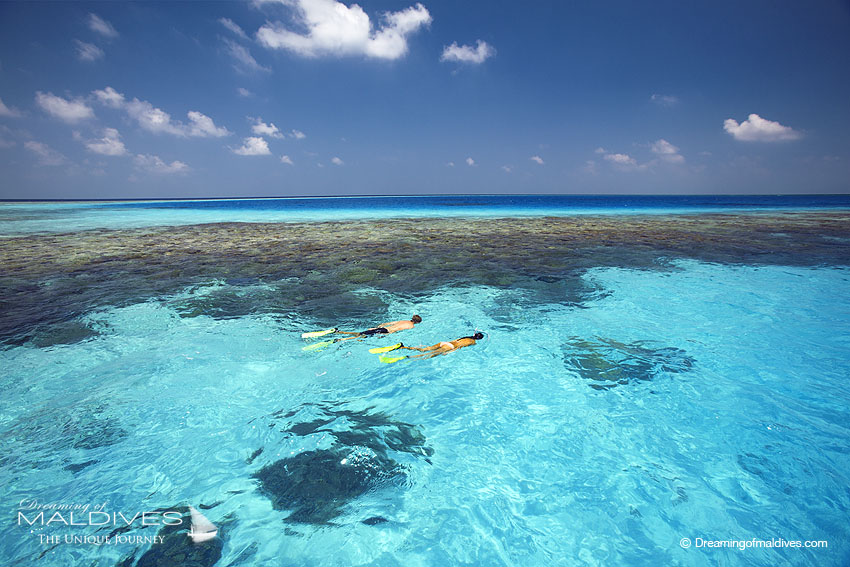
(435, 350)
(384, 329)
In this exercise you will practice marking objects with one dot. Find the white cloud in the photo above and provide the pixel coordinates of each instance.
(298, 134)
(757, 129)
(244, 93)
(667, 152)
(260, 128)
(152, 119)
(9, 112)
(101, 26)
(88, 51)
(664, 100)
(507, 168)
(70, 111)
(245, 62)
(338, 30)
(202, 126)
(158, 121)
(286, 159)
(233, 26)
(621, 159)
(337, 161)
(253, 146)
(537, 159)
(47, 156)
(470, 162)
(664, 152)
(468, 54)
(109, 97)
(450, 164)
(109, 145)
(154, 164)
(6, 131)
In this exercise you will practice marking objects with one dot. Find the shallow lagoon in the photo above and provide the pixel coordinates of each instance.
(643, 379)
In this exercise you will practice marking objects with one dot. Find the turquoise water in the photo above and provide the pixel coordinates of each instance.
(690, 400)
(28, 218)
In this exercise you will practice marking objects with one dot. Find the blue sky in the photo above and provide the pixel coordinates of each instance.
(318, 97)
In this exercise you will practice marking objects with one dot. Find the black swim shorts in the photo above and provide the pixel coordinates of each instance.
(370, 332)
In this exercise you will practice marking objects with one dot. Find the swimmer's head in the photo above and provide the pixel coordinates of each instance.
(416, 319)
(478, 336)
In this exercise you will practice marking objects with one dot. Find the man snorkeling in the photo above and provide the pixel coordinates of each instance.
(435, 350)
(383, 329)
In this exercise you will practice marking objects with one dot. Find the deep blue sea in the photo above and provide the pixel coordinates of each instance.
(27, 217)
(684, 401)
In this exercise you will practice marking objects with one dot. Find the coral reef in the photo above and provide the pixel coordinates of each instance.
(317, 485)
(607, 363)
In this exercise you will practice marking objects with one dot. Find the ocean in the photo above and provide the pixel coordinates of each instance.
(662, 380)
(22, 217)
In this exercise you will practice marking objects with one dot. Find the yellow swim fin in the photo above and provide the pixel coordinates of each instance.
(316, 346)
(390, 359)
(379, 350)
(312, 334)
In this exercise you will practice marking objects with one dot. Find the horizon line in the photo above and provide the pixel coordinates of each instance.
(416, 195)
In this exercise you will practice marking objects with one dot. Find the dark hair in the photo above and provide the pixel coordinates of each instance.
(416, 319)
(478, 336)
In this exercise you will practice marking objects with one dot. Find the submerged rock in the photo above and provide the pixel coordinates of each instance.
(354, 428)
(89, 432)
(77, 467)
(321, 301)
(366, 447)
(66, 333)
(71, 431)
(229, 301)
(316, 485)
(84, 426)
(608, 363)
